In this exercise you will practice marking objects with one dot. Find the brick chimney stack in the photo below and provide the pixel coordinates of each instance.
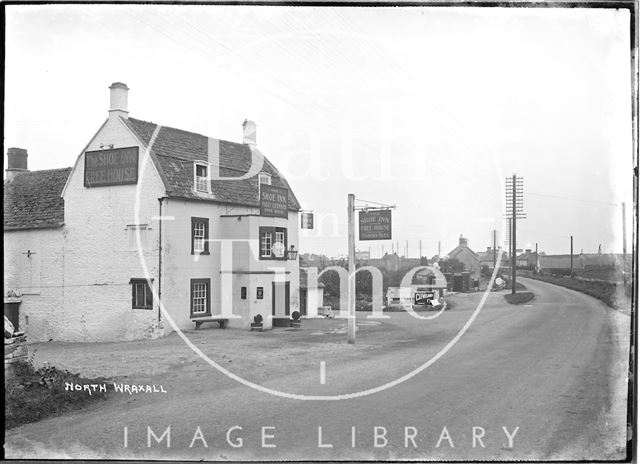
(249, 132)
(119, 100)
(16, 162)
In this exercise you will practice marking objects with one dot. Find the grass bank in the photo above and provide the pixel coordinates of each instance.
(518, 298)
(34, 394)
(610, 293)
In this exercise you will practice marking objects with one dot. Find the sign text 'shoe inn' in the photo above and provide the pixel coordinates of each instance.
(273, 201)
(375, 224)
(117, 166)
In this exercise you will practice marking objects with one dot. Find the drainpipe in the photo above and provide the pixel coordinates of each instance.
(160, 256)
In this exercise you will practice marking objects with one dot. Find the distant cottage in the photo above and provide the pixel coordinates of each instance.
(149, 214)
(467, 256)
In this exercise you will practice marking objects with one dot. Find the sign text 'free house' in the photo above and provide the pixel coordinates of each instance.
(116, 166)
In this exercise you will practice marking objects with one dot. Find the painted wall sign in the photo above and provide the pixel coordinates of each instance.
(375, 224)
(306, 220)
(274, 201)
(116, 166)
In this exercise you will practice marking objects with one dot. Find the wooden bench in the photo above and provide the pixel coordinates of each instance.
(222, 323)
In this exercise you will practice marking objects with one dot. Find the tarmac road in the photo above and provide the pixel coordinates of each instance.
(550, 375)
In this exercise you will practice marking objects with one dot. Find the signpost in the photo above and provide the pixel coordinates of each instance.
(351, 321)
(116, 166)
(373, 224)
(274, 201)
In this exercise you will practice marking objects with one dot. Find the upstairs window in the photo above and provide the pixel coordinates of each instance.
(201, 176)
(273, 243)
(199, 236)
(132, 234)
(264, 178)
(141, 295)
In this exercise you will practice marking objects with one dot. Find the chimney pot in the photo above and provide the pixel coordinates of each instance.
(119, 100)
(16, 161)
(249, 132)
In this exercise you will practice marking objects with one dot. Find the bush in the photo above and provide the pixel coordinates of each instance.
(31, 395)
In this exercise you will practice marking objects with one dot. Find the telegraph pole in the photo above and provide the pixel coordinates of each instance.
(494, 248)
(513, 240)
(420, 246)
(351, 321)
(514, 194)
(624, 231)
(571, 256)
(406, 253)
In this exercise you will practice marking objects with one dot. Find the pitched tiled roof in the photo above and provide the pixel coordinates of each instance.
(32, 200)
(176, 150)
(461, 248)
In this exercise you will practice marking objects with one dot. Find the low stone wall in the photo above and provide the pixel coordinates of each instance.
(15, 349)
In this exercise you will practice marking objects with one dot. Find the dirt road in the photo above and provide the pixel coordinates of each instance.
(539, 381)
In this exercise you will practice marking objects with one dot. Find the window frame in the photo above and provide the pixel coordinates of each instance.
(196, 178)
(207, 298)
(194, 222)
(148, 284)
(271, 232)
(264, 176)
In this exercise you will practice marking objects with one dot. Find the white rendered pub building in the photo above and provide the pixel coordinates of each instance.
(210, 225)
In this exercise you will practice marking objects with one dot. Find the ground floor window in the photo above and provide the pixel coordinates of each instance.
(141, 294)
(273, 242)
(200, 297)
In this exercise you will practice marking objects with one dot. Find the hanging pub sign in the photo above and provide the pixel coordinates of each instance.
(306, 220)
(375, 224)
(274, 201)
(116, 166)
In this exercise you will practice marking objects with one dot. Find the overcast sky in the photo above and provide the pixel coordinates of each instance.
(425, 108)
